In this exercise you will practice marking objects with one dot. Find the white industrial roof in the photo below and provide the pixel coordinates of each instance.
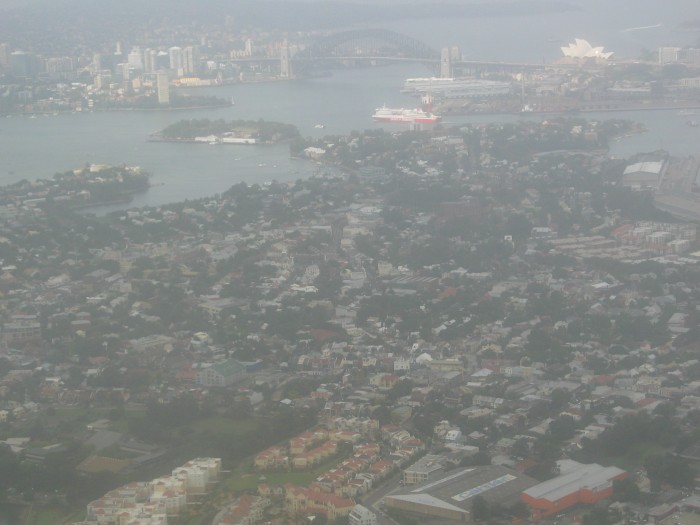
(584, 477)
(427, 499)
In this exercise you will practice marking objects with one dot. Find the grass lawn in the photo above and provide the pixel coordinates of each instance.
(47, 516)
(194, 520)
(247, 478)
(250, 480)
(636, 455)
(80, 413)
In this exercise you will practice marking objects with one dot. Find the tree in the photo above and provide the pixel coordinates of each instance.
(5, 366)
(597, 517)
(75, 377)
(519, 510)
(670, 469)
(560, 399)
(400, 389)
(383, 414)
(562, 428)
(477, 460)
(9, 469)
(521, 448)
(665, 410)
(518, 226)
(626, 490)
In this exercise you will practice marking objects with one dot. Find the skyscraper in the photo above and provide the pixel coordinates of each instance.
(163, 87)
(668, 55)
(4, 56)
(124, 71)
(162, 60)
(191, 60)
(96, 63)
(176, 62)
(135, 58)
(149, 60)
(23, 65)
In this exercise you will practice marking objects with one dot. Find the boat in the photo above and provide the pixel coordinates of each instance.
(693, 123)
(686, 113)
(417, 116)
(319, 126)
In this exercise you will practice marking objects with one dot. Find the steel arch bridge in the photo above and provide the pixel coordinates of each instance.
(369, 44)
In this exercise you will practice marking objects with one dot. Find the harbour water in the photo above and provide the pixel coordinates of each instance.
(32, 148)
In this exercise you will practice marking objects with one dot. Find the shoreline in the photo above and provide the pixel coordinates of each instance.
(575, 111)
(193, 141)
(57, 113)
(211, 106)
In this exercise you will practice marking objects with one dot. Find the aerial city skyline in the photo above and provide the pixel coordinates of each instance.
(293, 262)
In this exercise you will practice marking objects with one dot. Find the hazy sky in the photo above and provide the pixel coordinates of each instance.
(612, 13)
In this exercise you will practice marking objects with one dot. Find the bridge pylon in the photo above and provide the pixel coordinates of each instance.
(285, 62)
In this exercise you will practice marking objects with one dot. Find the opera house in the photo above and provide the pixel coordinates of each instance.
(580, 49)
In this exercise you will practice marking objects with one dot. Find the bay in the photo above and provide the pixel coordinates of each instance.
(32, 148)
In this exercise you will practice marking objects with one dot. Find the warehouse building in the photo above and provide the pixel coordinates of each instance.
(449, 496)
(576, 483)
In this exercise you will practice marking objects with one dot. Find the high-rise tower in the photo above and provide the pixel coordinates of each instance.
(163, 87)
(190, 62)
(176, 62)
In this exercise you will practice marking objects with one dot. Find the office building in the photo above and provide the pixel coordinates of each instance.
(163, 87)
(190, 59)
(176, 60)
(135, 59)
(4, 56)
(149, 61)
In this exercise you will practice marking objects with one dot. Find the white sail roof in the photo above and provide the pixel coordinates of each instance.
(581, 48)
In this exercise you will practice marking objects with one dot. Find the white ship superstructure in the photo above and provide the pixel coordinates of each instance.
(411, 116)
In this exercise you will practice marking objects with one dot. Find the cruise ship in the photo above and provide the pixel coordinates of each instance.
(417, 116)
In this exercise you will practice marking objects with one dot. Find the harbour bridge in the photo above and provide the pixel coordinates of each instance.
(371, 46)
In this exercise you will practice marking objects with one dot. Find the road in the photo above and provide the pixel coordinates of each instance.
(374, 498)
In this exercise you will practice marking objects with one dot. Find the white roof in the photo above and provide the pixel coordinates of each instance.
(427, 499)
(646, 167)
(362, 512)
(576, 478)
